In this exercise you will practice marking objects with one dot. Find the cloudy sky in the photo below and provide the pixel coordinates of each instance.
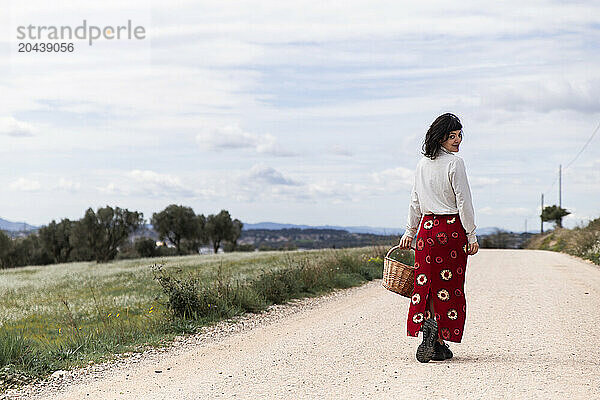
(308, 112)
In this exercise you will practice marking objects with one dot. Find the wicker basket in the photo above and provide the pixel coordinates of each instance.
(398, 277)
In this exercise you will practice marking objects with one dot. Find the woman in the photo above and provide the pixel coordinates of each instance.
(441, 207)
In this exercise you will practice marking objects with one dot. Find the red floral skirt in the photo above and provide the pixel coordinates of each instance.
(441, 261)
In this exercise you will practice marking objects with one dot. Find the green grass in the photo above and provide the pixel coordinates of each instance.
(66, 315)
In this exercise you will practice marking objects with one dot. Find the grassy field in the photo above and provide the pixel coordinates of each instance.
(66, 315)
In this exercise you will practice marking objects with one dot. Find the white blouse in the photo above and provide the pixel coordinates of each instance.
(441, 187)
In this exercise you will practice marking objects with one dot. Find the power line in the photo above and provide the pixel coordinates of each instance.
(576, 157)
(584, 146)
(551, 186)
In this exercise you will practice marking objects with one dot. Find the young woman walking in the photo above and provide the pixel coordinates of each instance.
(441, 209)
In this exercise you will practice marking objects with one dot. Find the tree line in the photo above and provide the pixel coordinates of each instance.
(104, 234)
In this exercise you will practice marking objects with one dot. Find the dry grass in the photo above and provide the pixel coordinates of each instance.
(583, 241)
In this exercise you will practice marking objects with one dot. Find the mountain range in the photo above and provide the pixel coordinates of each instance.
(22, 226)
(351, 229)
(16, 226)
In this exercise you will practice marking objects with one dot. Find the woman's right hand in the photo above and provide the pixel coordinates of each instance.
(405, 242)
(473, 248)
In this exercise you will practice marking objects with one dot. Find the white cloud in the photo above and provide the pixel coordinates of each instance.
(545, 95)
(584, 173)
(398, 178)
(25, 185)
(149, 183)
(110, 188)
(263, 183)
(12, 127)
(341, 150)
(318, 21)
(577, 219)
(233, 137)
(263, 174)
(336, 192)
(160, 185)
(482, 181)
(66, 184)
(354, 108)
(506, 211)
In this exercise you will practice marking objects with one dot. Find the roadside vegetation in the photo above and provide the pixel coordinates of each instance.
(583, 241)
(61, 316)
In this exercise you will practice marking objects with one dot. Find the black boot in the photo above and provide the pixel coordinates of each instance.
(430, 335)
(441, 352)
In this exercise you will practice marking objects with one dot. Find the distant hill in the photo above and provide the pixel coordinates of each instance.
(294, 238)
(16, 226)
(487, 231)
(148, 231)
(351, 229)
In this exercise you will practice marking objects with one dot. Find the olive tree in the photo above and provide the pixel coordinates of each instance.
(102, 232)
(180, 226)
(220, 227)
(55, 240)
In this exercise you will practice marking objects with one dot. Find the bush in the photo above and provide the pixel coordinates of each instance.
(127, 251)
(224, 297)
(265, 247)
(165, 251)
(228, 247)
(145, 247)
(245, 247)
(183, 294)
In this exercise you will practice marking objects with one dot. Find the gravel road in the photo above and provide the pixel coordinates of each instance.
(532, 332)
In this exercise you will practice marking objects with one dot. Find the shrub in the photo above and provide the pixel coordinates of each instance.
(189, 298)
(245, 247)
(145, 247)
(228, 247)
(184, 300)
(165, 251)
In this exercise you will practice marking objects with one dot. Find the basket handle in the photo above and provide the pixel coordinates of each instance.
(394, 248)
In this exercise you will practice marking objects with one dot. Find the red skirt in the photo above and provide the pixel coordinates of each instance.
(441, 261)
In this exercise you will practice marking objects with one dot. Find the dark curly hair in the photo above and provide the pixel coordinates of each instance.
(438, 132)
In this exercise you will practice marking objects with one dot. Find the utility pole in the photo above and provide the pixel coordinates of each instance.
(525, 225)
(559, 185)
(541, 219)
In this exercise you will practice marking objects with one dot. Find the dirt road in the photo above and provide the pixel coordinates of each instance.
(532, 331)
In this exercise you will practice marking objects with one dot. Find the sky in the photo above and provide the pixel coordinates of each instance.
(306, 112)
